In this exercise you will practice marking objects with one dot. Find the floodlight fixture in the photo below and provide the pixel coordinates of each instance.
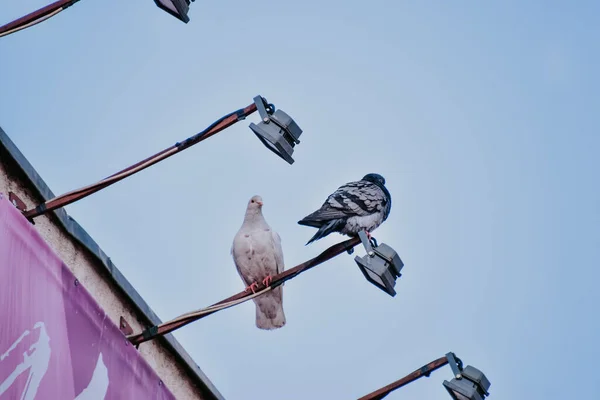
(468, 383)
(277, 130)
(177, 8)
(381, 265)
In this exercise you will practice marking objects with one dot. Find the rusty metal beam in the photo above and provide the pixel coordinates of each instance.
(36, 17)
(413, 376)
(279, 279)
(70, 197)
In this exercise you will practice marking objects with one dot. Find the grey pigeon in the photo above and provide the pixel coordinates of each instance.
(257, 254)
(355, 206)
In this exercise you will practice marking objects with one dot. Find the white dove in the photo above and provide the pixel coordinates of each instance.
(257, 254)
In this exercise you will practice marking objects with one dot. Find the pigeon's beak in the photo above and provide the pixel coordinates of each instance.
(260, 203)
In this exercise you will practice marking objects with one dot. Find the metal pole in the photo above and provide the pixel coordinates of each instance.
(187, 318)
(70, 197)
(413, 376)
(36, 17)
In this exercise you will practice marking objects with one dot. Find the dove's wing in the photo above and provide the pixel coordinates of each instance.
(278, 252)
(239, 248)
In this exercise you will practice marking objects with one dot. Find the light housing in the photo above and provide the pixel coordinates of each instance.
(177, 8)
(468, 383)
(381, 265)
(277, 130)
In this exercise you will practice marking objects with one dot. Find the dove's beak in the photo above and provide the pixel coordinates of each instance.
(260, 203)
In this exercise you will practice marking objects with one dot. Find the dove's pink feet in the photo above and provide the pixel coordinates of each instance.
(267, 281)
(368, 234)
(252, 287)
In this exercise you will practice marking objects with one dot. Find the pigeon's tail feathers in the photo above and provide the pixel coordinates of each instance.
(269, 311)
(323, 216)
(310, 222)
(327, 228)
(320, 217)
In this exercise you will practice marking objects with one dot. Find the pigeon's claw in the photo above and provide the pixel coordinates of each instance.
(267, 281)
(372, 240)
(252, 287)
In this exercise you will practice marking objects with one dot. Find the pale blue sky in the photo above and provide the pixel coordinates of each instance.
(482, 116)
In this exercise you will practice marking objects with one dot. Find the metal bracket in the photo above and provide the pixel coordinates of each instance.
(426, 371)
(150, 332)
(261, 108)
(125, 327)
(455, 364)
(16, 201)
(264, 108)
(366, 243)
(19, 204)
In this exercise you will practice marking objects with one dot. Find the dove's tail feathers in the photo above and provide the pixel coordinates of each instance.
(264, 322)
(269, 311)
(332, 226)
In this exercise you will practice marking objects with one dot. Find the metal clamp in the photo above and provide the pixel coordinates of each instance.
(150, 332)
(261, 107)
(456, 365)
(367, 243)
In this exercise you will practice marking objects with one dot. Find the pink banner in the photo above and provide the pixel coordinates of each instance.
(56, 343)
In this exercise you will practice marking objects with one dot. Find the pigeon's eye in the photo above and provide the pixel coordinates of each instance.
(252, 201)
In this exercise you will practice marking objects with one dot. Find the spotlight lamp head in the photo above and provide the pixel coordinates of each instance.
(277, 130)
(177, 8)
(468, 383)
(381, 265)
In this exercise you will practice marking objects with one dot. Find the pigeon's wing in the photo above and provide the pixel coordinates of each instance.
(278, 252)
(352, 199)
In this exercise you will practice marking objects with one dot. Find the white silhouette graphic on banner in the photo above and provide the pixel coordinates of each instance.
(37, 359)
(98, 386)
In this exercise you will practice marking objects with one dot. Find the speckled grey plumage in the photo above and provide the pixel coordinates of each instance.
(355, 206)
